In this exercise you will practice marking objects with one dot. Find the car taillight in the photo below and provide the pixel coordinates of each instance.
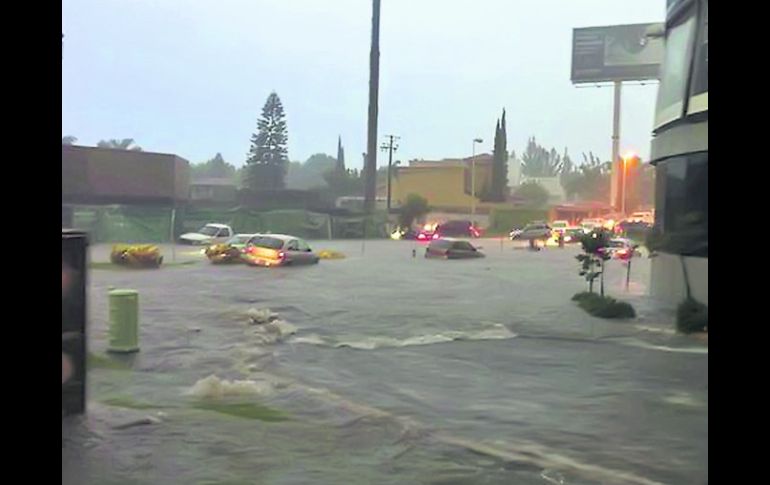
(435, 236)
(281, 255)
(421, 236)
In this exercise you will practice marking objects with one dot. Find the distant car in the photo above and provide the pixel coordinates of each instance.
(560, 226)
(537, 232)
(589, 225)
(427, 233)
(460, 228)
(572, 235)
(278, 250)
(646, 217)
(621, 248)
(450, 248)
(628, 226)
(208, 234)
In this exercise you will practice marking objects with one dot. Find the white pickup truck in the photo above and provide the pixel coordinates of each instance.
(208, 234)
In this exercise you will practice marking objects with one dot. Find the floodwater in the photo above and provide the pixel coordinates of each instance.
(386, 369)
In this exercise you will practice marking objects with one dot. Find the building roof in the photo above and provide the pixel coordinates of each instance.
(220, 181)
(453, 162)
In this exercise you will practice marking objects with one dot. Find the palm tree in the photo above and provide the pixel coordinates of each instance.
(124, 144)
(68, 140)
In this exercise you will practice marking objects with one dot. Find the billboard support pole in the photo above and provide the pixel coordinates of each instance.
(615, 142)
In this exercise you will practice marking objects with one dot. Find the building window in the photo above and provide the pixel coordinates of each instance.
(682, 204)
(700, 79)
(676, 66)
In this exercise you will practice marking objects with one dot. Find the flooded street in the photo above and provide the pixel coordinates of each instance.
(382, 368)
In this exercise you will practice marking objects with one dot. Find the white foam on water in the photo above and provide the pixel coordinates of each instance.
(665, 348)
(311, 339)
(645, 328)
(261, 315)
(496, 332)
(548, 460)
(682, 399)
(214, 387)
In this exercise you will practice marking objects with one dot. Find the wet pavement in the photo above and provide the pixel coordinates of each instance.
(385, 368)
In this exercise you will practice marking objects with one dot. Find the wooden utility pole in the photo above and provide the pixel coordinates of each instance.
(370, 169)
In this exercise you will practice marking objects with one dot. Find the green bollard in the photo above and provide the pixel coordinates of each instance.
(124, 321)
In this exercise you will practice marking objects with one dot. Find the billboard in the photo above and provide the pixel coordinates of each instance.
(616, 53)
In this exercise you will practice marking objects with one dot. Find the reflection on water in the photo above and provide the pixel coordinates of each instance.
(421, 373)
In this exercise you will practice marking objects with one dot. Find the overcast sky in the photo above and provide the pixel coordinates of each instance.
(190, 77)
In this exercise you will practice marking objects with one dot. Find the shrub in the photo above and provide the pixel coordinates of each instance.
(604, 306)
(692, 316)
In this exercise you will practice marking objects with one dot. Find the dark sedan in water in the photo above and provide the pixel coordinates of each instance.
(448, 248)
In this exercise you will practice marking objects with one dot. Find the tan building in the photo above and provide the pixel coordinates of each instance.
(446, 184)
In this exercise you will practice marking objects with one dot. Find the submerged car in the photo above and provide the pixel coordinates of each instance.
(278, 250)
(621, 248)
(457, 229)
(208, 234)
(449, 248)
(536, 231)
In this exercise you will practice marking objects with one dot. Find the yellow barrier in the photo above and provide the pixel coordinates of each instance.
(329, 254)
(136, 255)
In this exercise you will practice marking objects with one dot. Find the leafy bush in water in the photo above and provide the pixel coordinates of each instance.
(604, 306)
(592, 260)
(692, 316)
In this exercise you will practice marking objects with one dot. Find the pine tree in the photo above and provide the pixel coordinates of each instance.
(500, 162)
(340, 156)
(267, 161)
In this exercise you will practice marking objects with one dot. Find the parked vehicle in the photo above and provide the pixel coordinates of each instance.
(560, 226)
(209, 234)
(450, 248)
(278, 250)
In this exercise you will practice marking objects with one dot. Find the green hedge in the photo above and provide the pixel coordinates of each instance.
(692, 316)
(503, 220)
(126, 224)
(604, 306)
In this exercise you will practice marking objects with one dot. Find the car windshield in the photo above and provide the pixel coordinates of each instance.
(208, 231)
(239, 239)
(463, 246)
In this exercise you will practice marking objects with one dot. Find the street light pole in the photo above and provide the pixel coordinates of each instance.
(390, 146)
(473, 179)
(623, 187)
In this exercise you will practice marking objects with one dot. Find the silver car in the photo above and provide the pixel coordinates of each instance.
(532, 232)
(278, 250)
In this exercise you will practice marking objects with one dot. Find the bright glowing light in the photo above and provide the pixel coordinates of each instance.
(629, 156)
(421, 236)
